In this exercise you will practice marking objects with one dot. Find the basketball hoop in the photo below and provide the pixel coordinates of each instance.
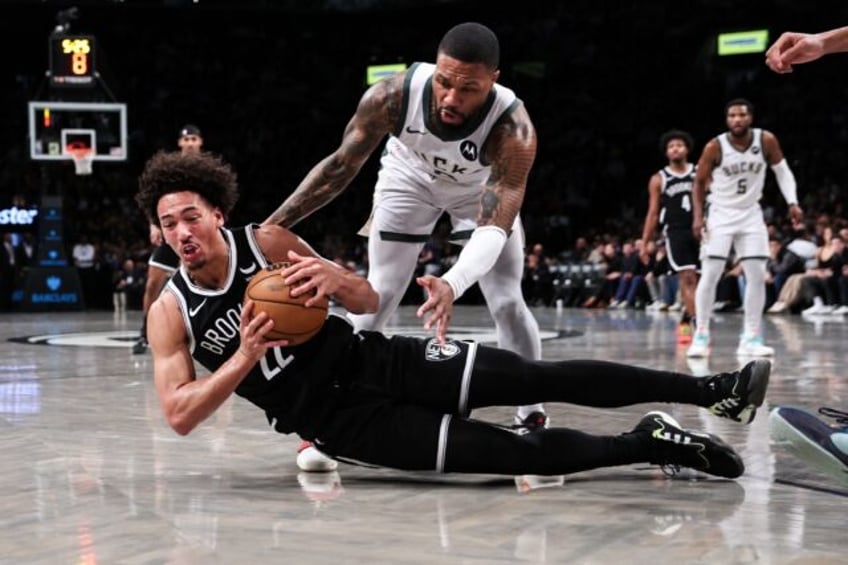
(83, 158)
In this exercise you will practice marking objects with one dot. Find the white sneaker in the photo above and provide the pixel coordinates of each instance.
(320, 487)
(311, 460)
(840, 311)
(700, 345)
(529, 483)
(818, 308)
(676, 307)
(753, 346)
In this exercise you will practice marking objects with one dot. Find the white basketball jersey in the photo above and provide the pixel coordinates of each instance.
(739, 179)
(413, 150)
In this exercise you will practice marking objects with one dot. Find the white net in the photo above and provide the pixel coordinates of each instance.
(82, 161)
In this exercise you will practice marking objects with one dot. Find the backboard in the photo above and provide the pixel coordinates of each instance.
(53, 126)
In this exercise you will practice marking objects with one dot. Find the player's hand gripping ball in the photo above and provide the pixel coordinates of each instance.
(292, 320)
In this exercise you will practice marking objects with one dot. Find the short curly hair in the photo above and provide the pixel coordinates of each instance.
(675, 134)
(205, 173)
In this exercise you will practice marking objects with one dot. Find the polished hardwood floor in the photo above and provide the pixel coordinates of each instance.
(91, 473)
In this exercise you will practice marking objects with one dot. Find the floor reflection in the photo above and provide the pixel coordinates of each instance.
(91, 473)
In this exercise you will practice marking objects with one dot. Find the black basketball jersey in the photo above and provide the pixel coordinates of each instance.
(165, 258)
(275, 384)
(676, 197)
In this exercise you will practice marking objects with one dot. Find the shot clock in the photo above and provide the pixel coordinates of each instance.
(72, 60)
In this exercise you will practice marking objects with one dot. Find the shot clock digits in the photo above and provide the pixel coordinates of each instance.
(72, 60)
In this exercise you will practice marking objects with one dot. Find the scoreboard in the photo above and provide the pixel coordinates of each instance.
(72, 60)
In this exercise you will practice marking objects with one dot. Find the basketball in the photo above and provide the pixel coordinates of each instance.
(292, 320)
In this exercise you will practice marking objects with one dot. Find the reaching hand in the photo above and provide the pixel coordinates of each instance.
(308, 274)
(793, 48)
(439, 304)
(698, 228)
(253, 329)
(796, 213)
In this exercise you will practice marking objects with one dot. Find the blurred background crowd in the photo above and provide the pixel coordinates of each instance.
(273, 83)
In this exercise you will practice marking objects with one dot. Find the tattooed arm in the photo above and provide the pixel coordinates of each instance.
(376, 116)
(510, 150)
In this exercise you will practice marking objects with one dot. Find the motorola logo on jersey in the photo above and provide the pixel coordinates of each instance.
(468, 150)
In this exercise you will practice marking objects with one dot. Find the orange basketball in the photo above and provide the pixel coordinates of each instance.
(292, 320)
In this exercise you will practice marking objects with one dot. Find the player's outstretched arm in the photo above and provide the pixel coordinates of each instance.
(325, 278)
(510, 150)
(375, 117)
(185, 400)
(793, 48)
(310, 272)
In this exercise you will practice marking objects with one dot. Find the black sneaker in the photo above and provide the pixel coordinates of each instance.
(740, 393)
(533, 422)
(673, 447)
(140, 346)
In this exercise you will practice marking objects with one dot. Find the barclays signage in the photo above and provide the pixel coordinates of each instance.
(52, 257)
(51, 285)
(53, 289)
(54, 296)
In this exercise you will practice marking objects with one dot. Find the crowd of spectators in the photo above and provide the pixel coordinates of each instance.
(273, 86)
(807, 272)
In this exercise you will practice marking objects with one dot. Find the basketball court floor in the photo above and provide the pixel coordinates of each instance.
(90, 472)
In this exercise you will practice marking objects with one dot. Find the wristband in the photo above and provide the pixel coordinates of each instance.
(476, 259)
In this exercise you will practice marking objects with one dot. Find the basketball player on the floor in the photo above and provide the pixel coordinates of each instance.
(163, 261)
(670, 204)
(733, 165)
(400, 402)
(458, 143)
